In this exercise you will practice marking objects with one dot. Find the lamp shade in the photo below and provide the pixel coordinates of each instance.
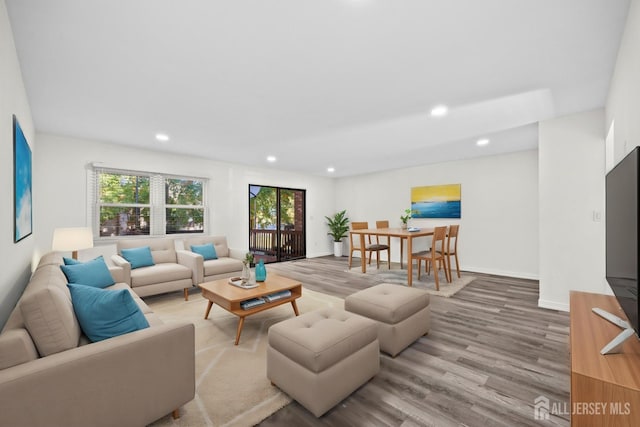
(72, 239)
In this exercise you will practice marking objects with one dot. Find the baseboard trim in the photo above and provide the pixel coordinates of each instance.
(318, 255)
(553, 305)
(516, 274)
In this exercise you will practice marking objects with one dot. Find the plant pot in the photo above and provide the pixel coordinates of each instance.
(337, 249)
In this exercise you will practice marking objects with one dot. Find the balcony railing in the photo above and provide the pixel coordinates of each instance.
(264, 242)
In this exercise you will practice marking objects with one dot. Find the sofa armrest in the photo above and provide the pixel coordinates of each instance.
(193, 261)
(133, 379)
(126, 269)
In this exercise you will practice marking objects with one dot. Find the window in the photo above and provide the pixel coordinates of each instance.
(131, 203)
(124, 204)
(184, 206)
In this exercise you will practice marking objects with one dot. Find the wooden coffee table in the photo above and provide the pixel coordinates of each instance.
(229, 297)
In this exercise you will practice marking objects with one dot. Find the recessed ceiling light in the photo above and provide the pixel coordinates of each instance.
(482, 142)
(331, 169)
(162, 137)
(439, 111)
(271, 159)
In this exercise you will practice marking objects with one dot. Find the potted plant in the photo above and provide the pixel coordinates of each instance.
(404, 218)
(338, 227)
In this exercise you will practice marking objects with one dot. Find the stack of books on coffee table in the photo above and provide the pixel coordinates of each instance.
(277, 295)
(253, 302)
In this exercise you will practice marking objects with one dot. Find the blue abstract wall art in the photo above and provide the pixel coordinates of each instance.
(22, 174)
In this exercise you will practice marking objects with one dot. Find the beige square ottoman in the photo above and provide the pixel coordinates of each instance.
(323, 356)
(402, 313)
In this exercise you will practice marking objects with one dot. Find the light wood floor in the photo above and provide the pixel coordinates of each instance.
(490, 352)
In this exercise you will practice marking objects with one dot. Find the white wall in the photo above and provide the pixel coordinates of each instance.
(60, 183)
(15, 262)
(623, 102)
(499, 225)
(571, 190)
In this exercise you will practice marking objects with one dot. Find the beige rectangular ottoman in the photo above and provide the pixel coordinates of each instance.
(321, 357)
(402, 313)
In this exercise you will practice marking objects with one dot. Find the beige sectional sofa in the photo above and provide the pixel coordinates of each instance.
(51, 375)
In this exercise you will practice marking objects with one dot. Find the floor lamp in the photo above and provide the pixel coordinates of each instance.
(72, 239)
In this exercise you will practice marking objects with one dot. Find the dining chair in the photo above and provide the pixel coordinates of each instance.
(432, 256)
(384, 240)
(385, 224)
(452, 248)
(355, 240)
(370, 247)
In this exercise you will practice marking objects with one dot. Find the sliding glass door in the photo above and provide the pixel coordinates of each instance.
(276, 223)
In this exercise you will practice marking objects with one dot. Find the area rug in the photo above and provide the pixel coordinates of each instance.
(427, 282)
(232, 388)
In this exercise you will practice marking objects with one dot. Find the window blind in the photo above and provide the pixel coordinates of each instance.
(135, 203)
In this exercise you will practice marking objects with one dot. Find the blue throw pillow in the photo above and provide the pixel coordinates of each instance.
(104, 313)
(138, 257)
(71, 261)
(207, 251)
(91, 273)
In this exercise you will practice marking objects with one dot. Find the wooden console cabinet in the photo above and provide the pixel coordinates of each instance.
(605, 390)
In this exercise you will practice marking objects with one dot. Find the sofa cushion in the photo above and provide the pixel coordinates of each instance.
(105, 313)
(159, 273)
(48, 275)
(162, 249)
(218, 242)
(91, 273)
(71, 261)
(207, 251)
(138, 257)
(221, 266)
(48, 316)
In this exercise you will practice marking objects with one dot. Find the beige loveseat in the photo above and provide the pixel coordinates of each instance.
(51, 375)
(227, 264)
(170, 272)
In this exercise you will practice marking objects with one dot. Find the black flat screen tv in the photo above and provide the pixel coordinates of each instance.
(623, 234)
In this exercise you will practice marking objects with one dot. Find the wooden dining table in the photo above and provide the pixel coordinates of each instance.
(393, 232)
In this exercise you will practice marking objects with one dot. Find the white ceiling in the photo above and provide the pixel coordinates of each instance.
(342, 83)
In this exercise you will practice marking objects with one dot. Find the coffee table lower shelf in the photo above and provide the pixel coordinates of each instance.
(219, 292)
